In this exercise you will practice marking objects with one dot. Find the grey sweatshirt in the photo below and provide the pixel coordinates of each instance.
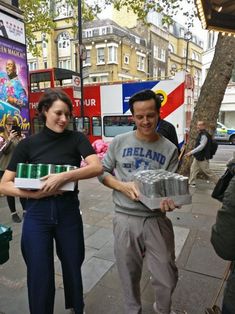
(126, 156)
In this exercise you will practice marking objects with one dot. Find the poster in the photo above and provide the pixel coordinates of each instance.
(14, 83)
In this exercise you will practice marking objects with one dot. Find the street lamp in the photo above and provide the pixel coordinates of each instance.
(80, 48)
(187, 37)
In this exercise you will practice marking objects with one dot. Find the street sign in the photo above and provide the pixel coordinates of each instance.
(76, 86)
(82, 52)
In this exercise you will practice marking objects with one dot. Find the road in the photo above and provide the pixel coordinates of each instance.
(219, 161)
(224, 153)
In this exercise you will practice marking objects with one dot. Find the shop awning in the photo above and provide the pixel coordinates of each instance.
(218, 15)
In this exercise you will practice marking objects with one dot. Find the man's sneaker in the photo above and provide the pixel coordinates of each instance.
(192, 185)
(15, 217)
(156, 310)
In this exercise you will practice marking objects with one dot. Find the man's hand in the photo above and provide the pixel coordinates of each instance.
(188, 154)
(167, 205)
(130, 190)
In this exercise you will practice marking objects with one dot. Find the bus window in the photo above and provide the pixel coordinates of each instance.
(40, 81)
(86, 126)
(114, 125)
(37, 125)
(82, 124)
(96, 126)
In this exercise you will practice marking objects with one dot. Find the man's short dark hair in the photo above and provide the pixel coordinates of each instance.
(146, 94)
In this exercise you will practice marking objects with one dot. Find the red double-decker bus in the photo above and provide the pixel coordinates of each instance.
(105, 106)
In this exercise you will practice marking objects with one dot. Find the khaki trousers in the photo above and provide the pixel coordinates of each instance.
(204, 167)
(152, 238)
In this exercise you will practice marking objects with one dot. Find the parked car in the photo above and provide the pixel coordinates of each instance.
(224, 134)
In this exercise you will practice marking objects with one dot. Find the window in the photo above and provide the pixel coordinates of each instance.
(155, 74)
(114, 125)
(65, 64)
(89, 33)
(102, 77)
(96, 126)
(45, 64)
(161, 54)
(64, 40)
(88, 57)
(155, 51)
(182, 32)
(140, 63)
(95, 32)
(100, 56)
(126, 59)
(63, 9)
(32, 65)
(112, 54)
(171, 48)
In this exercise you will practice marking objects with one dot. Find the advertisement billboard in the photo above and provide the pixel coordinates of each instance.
(13, 83)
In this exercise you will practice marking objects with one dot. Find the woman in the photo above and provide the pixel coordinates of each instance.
(9, 139)
(51, 214)
(223, 239)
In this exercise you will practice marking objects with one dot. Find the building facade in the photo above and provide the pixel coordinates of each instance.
(119, 49)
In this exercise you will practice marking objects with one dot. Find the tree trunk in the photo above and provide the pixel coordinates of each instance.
(212, 92)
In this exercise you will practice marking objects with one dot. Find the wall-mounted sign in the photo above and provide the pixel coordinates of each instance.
(12, 28)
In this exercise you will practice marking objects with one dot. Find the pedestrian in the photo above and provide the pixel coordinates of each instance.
(53, 215)
(201, 154)
(223, 239)
(138, 232)
(9, 139)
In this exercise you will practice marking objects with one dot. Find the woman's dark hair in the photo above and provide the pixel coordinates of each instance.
(146, 94)
(49, 97)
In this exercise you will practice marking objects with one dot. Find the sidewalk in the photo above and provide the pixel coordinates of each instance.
(200, 270)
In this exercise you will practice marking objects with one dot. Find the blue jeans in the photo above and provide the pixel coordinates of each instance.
(47, 220)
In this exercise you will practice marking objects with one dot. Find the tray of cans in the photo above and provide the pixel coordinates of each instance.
(28, 175)
(157, 185)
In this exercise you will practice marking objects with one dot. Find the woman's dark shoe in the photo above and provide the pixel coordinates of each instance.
(15, 217)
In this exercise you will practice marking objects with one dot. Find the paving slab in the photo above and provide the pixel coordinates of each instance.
(99, 238)
(93, 270)
(194, 292)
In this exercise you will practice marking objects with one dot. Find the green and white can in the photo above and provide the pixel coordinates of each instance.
(21, 171)
(31, 171)
(44, 169)
(60, 168)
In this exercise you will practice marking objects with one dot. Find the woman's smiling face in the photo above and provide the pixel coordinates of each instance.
(57, 116)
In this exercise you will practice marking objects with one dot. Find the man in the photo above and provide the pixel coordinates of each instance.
(201, 154)
(11, 89)
(138, 232)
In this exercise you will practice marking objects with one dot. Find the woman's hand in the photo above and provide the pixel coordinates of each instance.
(13, 134)
(52, 182)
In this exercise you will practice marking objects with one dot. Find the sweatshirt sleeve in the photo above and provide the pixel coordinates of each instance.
(202, 144)
(173, 164)
(109, 161)
(223, 235)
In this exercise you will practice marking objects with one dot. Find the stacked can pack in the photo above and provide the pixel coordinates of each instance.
(36, 171)
(154, 185)
(161, 183)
